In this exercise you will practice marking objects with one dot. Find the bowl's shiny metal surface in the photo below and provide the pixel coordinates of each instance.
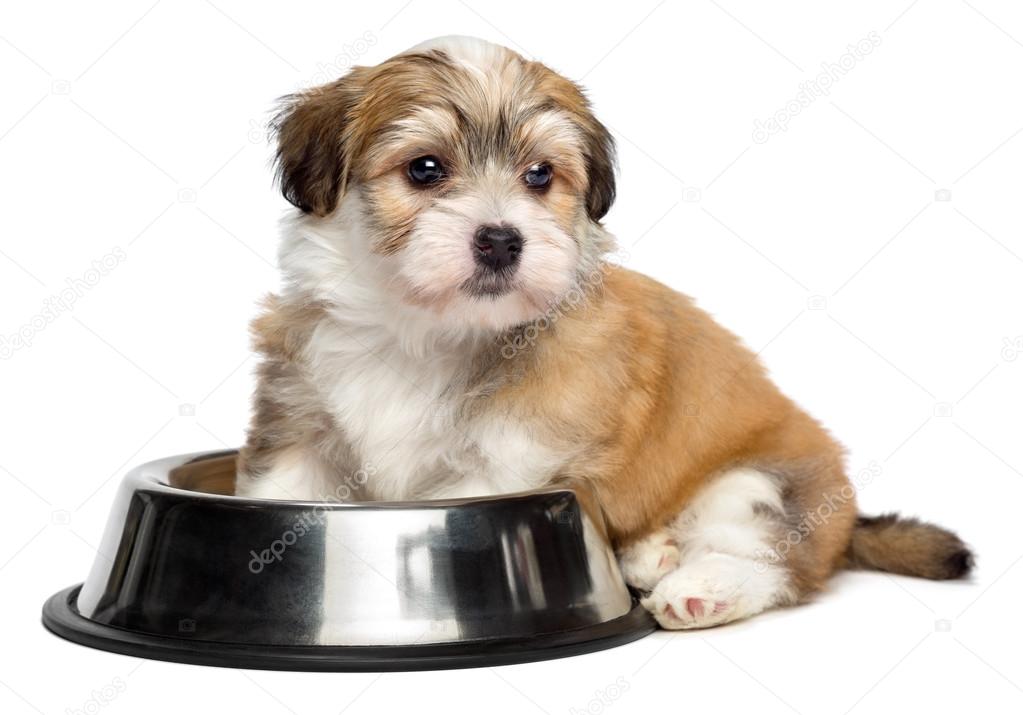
(183, 558)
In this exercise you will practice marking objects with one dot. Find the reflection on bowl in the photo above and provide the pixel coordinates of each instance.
(189, 572)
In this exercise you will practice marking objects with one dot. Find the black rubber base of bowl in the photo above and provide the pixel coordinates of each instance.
(61, 616)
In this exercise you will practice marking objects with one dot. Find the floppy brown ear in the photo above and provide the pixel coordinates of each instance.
(598, 145)
(312, 155)
(600, 169)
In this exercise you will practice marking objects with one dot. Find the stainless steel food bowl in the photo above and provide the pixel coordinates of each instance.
(189, 572)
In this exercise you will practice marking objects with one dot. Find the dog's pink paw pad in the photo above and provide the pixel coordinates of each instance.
(691, 612)
(695, 607)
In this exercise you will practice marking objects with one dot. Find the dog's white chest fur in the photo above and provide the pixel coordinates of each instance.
(401, 415)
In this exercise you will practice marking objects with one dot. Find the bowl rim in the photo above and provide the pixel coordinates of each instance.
(153, 476)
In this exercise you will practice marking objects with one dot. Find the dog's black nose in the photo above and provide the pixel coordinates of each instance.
(497, 247)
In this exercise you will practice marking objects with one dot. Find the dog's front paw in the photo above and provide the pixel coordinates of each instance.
(648, 560)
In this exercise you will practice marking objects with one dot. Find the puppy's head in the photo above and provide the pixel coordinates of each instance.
(478, 176)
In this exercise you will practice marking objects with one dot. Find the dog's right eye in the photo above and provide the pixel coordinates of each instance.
(425, 170)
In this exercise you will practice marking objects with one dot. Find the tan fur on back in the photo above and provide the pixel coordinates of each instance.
(673, 399)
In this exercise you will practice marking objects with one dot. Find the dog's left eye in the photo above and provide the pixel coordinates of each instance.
(426, 170)
(538, 175)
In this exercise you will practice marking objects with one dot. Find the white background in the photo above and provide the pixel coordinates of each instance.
(892, 316)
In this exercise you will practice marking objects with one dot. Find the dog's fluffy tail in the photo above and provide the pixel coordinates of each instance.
(908, 546)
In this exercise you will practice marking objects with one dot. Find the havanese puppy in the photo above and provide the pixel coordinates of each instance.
(450, 326)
